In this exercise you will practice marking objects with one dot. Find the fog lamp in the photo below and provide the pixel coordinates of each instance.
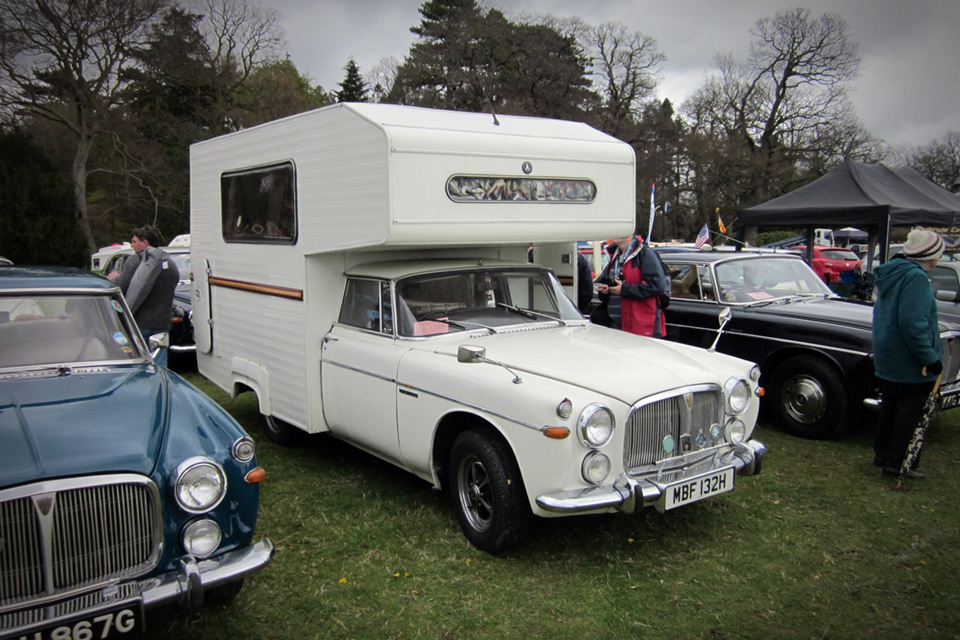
(595, 467)
(201, 538)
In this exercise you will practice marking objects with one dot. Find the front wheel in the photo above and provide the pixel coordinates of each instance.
(808, 397)
(487, 492)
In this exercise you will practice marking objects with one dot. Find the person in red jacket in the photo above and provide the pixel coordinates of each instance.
(633, 286)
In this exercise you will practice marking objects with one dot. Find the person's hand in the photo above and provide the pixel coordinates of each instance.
(113, 276)
(933, 369)
(615, 289)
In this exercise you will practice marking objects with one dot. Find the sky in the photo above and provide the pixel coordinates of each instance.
(908, 92)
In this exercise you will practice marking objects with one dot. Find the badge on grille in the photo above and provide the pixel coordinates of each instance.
(668, 444)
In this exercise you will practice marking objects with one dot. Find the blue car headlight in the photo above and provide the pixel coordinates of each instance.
(200, 486)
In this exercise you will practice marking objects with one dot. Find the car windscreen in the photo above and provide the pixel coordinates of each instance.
(752, 280)
(64, 329)
(446, 302)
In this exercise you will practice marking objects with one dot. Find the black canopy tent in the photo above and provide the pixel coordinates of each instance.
(867, 196)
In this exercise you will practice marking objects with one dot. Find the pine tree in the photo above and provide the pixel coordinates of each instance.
(353, 88)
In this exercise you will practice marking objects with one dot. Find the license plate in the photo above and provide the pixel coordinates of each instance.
(949, 402)
(707, 485)
(125, 621)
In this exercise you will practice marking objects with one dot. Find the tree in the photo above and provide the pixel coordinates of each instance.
(769, 113)
(626, 66)
(473, 59)
(63, 60)
(37, 225)
(352, 88)
(939, 161)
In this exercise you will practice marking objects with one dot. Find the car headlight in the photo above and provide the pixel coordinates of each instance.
(738, 395)
(201, 538)
(201, 485)
(595, 467)
(755, 373)
(595, 426)
(735, 431)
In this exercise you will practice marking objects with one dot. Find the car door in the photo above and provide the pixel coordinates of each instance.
(358, 368)
(693, 314)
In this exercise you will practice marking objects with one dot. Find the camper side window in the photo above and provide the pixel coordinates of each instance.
(259, 205)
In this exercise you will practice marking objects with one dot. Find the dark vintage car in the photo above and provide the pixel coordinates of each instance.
(814, 348)
(122, 486)
(182, 342)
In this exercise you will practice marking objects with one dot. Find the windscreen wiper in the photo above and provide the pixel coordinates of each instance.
(527, 313)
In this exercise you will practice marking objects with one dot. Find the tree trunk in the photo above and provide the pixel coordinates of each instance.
(79, 180)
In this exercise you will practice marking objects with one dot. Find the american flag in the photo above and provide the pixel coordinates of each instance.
(703, 237)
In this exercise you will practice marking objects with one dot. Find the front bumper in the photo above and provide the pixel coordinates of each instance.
(184, 587)
(632, 493)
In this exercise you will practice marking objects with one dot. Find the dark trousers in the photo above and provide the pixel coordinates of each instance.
(900, 414)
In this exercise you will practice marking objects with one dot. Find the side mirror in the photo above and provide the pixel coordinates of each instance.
(724, 316)
(159, 341)
(466, 353)
(946, 295)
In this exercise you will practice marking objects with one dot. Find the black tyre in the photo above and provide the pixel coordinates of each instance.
(280, 432)
(487, 492)
(808, 397)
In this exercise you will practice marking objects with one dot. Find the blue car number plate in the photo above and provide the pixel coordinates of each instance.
(703, 486)
(125, 621)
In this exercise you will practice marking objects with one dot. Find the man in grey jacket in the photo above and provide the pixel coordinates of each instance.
(148, 281)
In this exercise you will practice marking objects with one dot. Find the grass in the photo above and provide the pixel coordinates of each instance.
(817, 546)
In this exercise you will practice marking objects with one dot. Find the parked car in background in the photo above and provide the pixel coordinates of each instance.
(814, 348)
(832, 264)
(123, 487)
(182, 342)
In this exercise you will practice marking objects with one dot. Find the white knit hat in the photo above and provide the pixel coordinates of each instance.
(923, 244)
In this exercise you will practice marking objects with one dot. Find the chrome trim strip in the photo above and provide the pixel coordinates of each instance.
(410, 387)
(781, 340)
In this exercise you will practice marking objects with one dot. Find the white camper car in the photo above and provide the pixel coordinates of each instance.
(363, 270)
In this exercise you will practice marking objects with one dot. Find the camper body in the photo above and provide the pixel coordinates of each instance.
(363, 269)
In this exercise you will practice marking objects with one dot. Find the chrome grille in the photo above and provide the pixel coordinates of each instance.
(683, 417)
(67, 534)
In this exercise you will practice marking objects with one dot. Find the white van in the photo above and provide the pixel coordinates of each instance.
(363, 270)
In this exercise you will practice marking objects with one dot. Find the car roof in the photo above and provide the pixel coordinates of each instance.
(722, 256)
(396, 270)
(51, 279)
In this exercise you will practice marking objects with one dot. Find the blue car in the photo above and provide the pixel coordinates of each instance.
(122, 486)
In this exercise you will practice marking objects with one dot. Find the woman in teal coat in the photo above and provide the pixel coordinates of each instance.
(906, 344)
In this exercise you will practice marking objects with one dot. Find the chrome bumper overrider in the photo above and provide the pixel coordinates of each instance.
(631, 493)
(184, 587)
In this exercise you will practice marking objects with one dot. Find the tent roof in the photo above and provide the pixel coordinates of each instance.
(856, 194)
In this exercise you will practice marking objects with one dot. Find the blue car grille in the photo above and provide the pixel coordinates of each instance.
(660, 428)
(60, 536)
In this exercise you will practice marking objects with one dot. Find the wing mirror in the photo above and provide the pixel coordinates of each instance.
(468, 353)
(946, 295)
(723, 318)
(159, 341)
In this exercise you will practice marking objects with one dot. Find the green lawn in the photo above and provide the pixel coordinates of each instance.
(817, 546)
